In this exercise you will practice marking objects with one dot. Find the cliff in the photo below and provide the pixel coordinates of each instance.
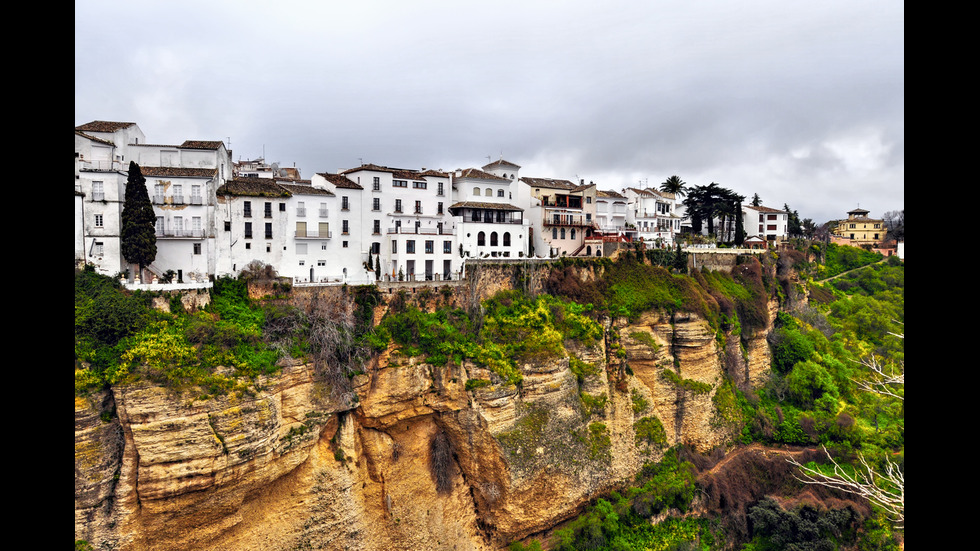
(418, 461)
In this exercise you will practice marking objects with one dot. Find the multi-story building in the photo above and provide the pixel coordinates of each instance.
(769, 224)
(181, 181)
(653, 214)
(858, 229)
(562, 214)
(488, 223)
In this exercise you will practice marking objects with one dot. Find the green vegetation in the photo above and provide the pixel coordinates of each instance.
(649, 430)
(841, 258)
(514, 329)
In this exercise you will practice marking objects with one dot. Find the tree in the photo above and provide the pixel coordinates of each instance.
(895, 223)
(139, 240)
(756, 200)
(739, 224)
(674, 185)
(377, 266)
(795, 229)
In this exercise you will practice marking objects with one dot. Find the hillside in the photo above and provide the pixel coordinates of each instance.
(466, 417)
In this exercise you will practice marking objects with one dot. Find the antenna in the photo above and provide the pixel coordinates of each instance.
(489, 160)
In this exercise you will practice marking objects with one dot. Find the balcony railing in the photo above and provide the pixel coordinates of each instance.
(566, 220)
(301, 212)
(180, 233)
(323, 213)
(412, 230)
(314, 234)
(197, 200)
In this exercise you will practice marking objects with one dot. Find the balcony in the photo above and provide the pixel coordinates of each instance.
(411, 230)
(313, 234)
(197, 200)
(566, 220)
(323, 213)
(180, 233)
(301, 212)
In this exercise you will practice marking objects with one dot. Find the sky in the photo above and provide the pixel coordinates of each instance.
(802, 103)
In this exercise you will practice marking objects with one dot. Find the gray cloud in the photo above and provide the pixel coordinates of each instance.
(803, 104)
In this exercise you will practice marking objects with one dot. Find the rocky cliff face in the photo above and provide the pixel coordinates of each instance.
(417, 462)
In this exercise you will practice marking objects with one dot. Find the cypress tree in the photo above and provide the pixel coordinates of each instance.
(739, 225)
(139, 240)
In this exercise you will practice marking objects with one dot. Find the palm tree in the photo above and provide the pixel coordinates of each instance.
(674, 185)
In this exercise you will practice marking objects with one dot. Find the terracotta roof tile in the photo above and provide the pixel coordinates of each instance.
(93, 138)
(478, 175)
(480, 205)
(175, 172)
(104, 126)
(253, 187)
(305, 190)
(201, 144)
(340, 180)
(549, 183)
(500, 162)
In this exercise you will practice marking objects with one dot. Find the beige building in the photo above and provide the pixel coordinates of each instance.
(858, 229)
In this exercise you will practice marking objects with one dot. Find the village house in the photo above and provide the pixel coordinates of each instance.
(654, 215)
(859, 230)
(488, 223)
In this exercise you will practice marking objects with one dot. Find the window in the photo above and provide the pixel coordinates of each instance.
(196, 225)
(563, 233)
(447, 247)
(98, 220)
(98, 194)
(282, 207)
(345, 227)
(343, 244)
(268, 230)
(248, 209)
(439, 208)
(493, 239)
(376, 204)
(410, 246)
(227, 225)
(248, 230)
(554, 233)
(323, 210)
(398, 205)
(429, 247)
(500, 193)
(476, 191)
(439, 190)
(178, 225)
(302, 248)
(197, 248)
(394, 247)
(196, 195)
(488, 192)
(268, 210)
(344, 203)
(506, 239)
(399, 183)
(588, 200)
(300, 209)
(377, 227)
(178, 194)
(376, 248)
(248, 246)
(376, 185)
(302, 263)
(573, 233)
(418, 207)
(419, 185)
(321, 262)
(98, 248)
(481, 239)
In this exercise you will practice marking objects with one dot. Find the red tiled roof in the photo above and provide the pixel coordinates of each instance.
(340, 180)
(253, 187)
(500, 162)
(549, 183)
(478, 175)
(104, 126)
(93, 138)
(175, 172)
(201, 144)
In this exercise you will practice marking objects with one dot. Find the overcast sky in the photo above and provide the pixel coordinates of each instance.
(800, 102)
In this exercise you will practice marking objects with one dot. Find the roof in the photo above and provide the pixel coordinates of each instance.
(201, 144)
(480, 205)
(761, 208)
(478, 174)
(104, 126)
(253, 187)
(549, 183)
(609, 194)
(500, 163)
(299, 189)
(93, 138)
(650, 192)
(858, 210)
(340, 180)
(175, 172)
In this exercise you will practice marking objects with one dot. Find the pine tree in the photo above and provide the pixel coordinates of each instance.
(139, 240)
(377, 266)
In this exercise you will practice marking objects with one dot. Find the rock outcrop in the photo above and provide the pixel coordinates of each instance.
(418, 461)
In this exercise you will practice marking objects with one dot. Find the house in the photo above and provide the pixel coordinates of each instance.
(487, 222)
(859, 230)
(181, 181)
(769, 224)
(562, 214)
(654, 215)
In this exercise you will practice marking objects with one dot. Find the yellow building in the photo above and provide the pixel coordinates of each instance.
(859, 230)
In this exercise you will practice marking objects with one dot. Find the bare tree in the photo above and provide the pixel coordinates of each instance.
(885, 489)
(881, 380)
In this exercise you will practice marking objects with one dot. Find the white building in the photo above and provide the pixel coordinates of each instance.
(654, 215)
(488, 223)
(767, 223)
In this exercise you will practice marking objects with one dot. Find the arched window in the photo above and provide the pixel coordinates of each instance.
(500, 193)
(507, 239)
(573, 233)
(488, 192)
(493, 239)
(563, 233)
(588, 250)
(476, 191)
(481, 239)
(554, 233)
